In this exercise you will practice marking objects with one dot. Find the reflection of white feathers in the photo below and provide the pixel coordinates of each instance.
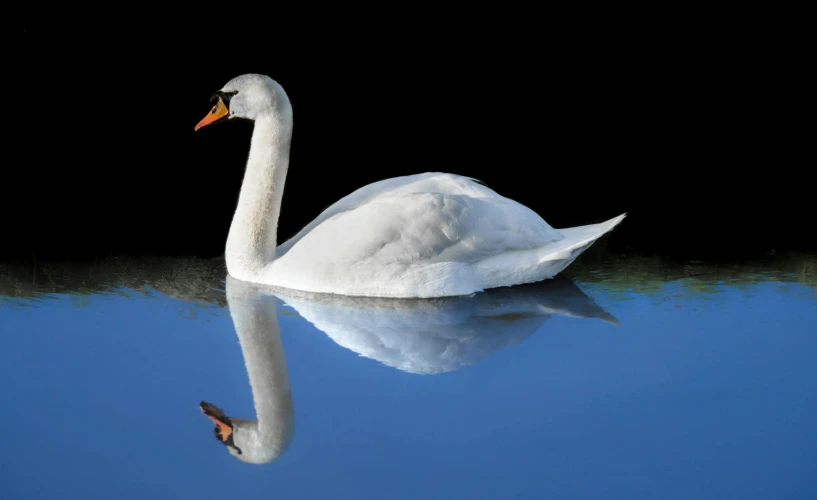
(414, 335)
(255, 319)
(441, 335)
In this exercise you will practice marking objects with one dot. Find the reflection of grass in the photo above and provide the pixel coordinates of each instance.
(622, 275)
(201, 281)
(185, 279)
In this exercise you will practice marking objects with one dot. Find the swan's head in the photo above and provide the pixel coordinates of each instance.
(243, 439)
(249, 96)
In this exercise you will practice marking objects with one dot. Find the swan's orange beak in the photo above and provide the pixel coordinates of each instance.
(224, 427)
(218, 112)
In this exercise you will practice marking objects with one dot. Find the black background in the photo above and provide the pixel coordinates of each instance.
(695, 135)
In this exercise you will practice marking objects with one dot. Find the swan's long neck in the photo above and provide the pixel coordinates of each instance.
(256, 323)
(252, 239)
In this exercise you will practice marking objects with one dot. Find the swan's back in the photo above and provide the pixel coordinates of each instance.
(431, 183)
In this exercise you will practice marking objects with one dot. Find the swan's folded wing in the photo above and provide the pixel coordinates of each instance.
(430, 182)
(422, 228)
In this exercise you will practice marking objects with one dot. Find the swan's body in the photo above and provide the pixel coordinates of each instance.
(419, 236)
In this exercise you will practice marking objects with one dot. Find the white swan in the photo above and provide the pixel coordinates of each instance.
(418, 236)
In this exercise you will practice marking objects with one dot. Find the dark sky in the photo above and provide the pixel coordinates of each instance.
(688, 136)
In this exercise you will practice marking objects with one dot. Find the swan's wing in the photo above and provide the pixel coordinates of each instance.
(417, 236)
(407, 229)
(430, 182)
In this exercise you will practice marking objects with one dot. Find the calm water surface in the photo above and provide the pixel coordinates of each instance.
(627, 377)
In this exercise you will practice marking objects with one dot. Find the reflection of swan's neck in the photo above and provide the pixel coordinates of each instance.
(256, 323)
(252, 238)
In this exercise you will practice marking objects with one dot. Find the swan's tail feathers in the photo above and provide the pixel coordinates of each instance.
(530, 266)
(598, 229)
(578, 239)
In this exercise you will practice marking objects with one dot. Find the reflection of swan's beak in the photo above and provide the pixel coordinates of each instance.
(224, 426)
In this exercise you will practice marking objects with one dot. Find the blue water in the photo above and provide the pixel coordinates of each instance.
(622, 379)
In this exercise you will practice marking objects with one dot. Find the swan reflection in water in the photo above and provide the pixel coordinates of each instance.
(255, 318)
(424, 336)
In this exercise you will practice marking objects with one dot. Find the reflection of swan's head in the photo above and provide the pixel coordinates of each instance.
(248, 96)
(224, 427)
(242, 437)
